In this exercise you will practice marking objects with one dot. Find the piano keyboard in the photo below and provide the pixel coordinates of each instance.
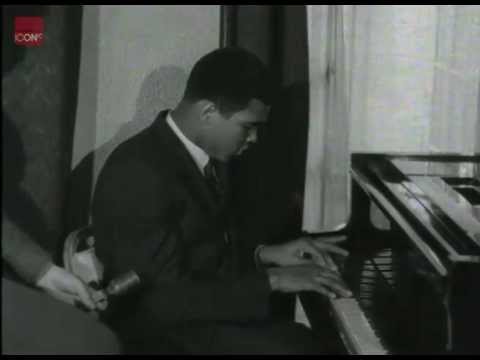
(355, 329)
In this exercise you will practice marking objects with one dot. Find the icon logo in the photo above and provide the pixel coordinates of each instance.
(29, 31)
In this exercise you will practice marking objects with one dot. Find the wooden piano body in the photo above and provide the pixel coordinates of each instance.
(414, 264)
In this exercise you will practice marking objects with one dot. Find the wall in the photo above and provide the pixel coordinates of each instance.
(135, 61)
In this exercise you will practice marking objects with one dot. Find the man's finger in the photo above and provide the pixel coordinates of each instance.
(310, 254)
(102, 305)
(98, 295)
(322, 246)
(334, 239)
(336, 286)
(315, 254)
(326, 272)
(322, 290)
(324, 259)
(317, 257)
(320, 260)
(84, 295)
(330, 263)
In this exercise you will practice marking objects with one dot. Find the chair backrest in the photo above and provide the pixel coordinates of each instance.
(79, 257)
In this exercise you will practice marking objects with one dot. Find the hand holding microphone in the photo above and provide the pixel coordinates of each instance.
(119, 286)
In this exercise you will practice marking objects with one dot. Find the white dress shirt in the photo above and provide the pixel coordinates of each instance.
(200, 157)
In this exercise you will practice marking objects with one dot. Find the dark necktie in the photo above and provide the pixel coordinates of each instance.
(213, 180)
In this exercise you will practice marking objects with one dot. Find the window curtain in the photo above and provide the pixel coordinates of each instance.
(415, 78)
(456, 83)
(393, 78)
(326, 180)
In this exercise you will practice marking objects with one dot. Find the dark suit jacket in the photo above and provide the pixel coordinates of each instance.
(154, 213)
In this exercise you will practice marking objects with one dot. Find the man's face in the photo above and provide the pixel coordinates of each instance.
(230, 136)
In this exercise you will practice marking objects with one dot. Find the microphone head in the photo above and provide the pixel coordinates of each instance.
(123, 284)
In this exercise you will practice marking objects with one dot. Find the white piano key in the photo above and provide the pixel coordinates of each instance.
(356, 329)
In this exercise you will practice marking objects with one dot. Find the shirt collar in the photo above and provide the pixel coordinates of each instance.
(200, 157)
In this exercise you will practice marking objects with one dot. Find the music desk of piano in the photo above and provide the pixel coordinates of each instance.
(414, 263)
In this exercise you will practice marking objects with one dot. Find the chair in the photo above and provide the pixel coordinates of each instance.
(79, 257)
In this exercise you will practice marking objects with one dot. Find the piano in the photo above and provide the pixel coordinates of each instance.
(414, 263)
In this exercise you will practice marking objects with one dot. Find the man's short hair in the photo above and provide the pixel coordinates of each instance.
(230, 77)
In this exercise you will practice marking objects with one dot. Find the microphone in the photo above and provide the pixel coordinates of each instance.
(118, 286)
(123, 284)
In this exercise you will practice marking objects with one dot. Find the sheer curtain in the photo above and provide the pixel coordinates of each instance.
(391, 78)
(326, 183)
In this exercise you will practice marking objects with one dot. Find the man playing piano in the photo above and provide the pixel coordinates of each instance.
(161, 208)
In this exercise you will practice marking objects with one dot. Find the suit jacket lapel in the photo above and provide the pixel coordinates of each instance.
(183, 162)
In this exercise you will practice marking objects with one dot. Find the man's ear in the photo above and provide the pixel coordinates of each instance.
(208, 111)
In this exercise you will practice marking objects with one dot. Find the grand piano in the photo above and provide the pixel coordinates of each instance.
(414, 263)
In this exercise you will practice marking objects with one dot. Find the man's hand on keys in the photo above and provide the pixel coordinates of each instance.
(308, 278)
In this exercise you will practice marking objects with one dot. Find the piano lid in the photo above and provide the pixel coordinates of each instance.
(441, 191)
